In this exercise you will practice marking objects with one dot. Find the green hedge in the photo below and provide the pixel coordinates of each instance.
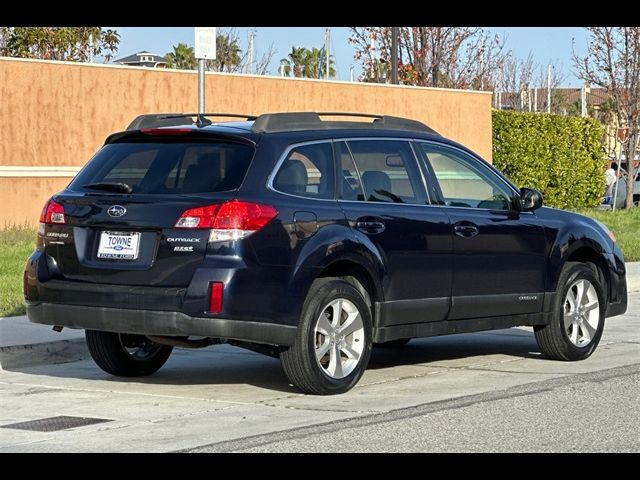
(558, 155)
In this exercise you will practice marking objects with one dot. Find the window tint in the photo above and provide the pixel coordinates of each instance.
(464, 181)
(307, 171)
(351, 188)
(177, 168)
(388, 171)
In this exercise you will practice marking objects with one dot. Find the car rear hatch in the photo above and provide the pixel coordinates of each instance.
(122, 219)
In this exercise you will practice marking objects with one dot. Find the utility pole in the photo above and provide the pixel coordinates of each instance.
(394, 55)
(351, 74)
(372, 55)
(327, 51)
(252, 36)
(583, 101)
(535, 99)
(549, 89)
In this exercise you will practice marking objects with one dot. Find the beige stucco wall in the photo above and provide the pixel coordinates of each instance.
(58, 114)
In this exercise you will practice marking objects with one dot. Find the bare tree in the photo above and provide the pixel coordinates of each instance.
(452, 57)
(262, 64)
(514, 77)
(558, 76)
(613, 63)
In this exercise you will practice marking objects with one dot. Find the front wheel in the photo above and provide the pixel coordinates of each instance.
(577, 320)
(126, 355)
(333, 342)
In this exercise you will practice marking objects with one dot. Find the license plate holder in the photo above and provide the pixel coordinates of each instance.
(119, 245)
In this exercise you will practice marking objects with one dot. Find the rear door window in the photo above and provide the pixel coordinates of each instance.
(169, 168)
(388, 171)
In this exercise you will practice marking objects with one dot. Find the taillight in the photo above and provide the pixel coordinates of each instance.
(231, 220)
(200, 217)
(215, 297)
(52, 212)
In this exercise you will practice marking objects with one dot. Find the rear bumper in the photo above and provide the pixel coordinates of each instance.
(153, 322)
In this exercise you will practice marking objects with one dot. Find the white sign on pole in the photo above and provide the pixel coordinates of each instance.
(205, 43)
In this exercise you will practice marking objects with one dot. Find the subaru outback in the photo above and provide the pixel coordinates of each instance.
(311, 238)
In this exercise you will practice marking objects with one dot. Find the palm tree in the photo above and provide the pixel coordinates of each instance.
(294, 62)
(228, 54)
(304, 62)
(315, 65)
(182, 57)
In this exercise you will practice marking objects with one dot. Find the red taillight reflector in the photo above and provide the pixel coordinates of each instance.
(165, 131)
(52, 212)
(215, 297)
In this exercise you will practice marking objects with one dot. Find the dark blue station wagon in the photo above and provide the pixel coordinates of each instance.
(311, 240)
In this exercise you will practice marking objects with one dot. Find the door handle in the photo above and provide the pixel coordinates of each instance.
(370, 225)
(466, 229)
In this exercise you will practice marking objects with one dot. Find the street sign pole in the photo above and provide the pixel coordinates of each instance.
(201, 85)
(205, 49)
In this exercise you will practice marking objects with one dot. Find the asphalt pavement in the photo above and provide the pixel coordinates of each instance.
(489, 391)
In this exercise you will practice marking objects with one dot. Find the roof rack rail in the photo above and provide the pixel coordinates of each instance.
(296, 121)
(175, 119)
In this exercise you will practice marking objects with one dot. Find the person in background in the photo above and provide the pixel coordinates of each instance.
(610, 177)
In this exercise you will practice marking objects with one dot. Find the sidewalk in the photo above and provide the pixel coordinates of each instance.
(24, 344)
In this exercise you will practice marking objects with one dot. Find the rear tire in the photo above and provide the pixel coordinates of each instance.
(577, 320)
(126, 355)
(333, 340)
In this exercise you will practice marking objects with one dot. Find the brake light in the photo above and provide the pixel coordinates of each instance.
(215, 297)
(52, 212)
(166, 131)
(231, 220)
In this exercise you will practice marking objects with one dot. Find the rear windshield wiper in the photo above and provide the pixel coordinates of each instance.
(109, 187)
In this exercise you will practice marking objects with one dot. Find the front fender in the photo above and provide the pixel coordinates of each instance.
(569, 233)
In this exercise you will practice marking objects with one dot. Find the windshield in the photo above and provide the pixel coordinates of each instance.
(167, 168)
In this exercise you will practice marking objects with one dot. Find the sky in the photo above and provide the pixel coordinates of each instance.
(547, 44)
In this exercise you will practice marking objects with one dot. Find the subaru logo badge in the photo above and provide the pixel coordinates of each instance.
(116, 210)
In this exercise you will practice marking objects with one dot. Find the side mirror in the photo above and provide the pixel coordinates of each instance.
(530, 199)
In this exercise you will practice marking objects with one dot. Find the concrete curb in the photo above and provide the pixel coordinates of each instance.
(14, 357)
(20, 354)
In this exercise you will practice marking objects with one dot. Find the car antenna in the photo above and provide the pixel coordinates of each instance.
(202, 121)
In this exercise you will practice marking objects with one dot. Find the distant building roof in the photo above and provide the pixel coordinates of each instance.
(143, 59)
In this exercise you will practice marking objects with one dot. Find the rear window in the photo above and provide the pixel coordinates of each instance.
(166, 168)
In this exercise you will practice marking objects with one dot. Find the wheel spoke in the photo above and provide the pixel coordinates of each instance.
(350, 352)
(574, 333)
(588, 330)
(580, 292)
(324, 327)
(591, 305)
(322, 350)
(569, 319)
(351, 324)
(337, 314)
(335, 362)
